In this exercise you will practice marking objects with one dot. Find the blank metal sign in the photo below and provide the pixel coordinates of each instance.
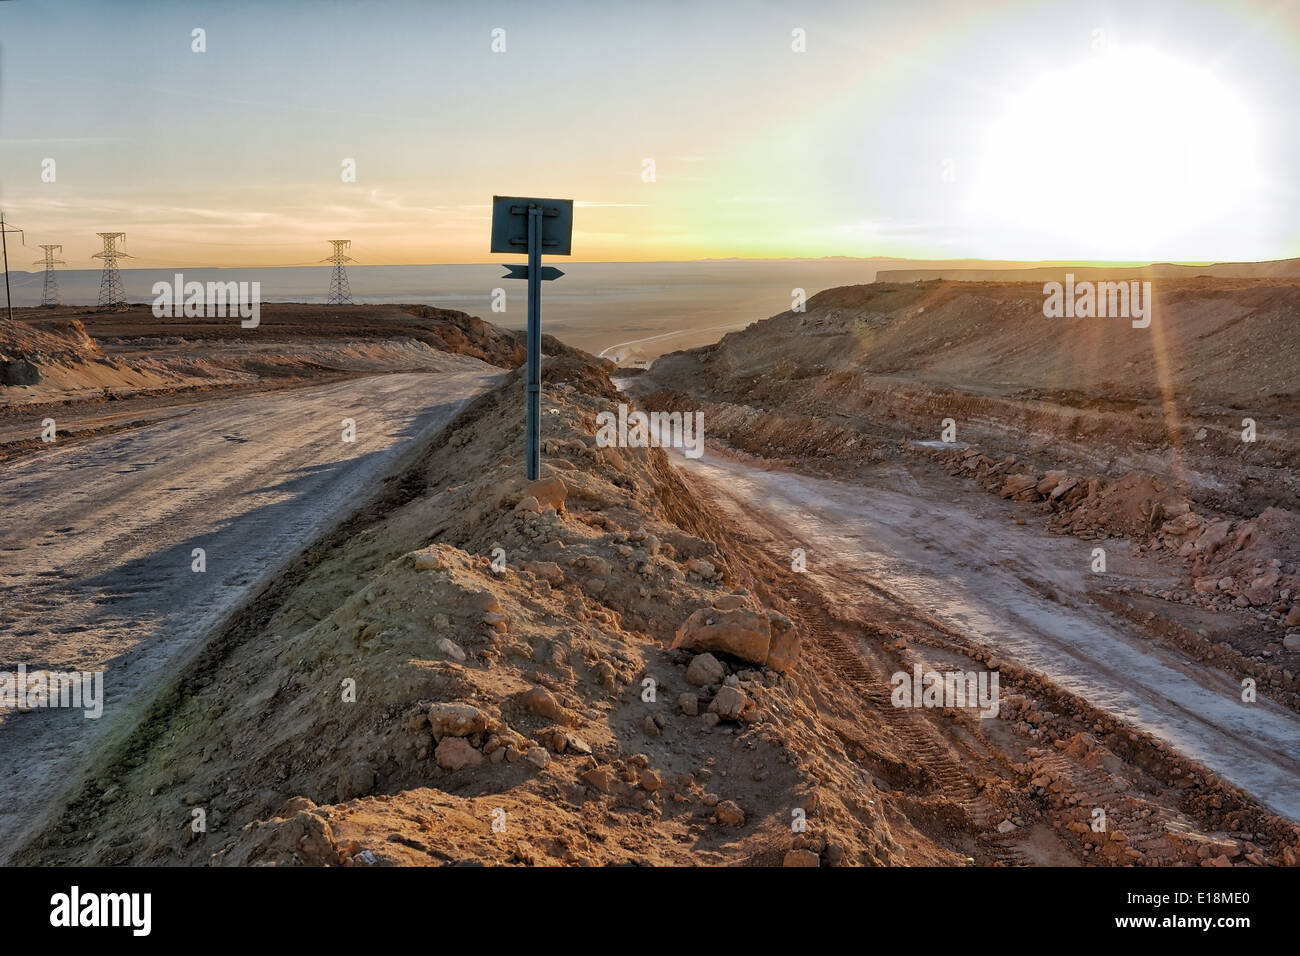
(510, 224)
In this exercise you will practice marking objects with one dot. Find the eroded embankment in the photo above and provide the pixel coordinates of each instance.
(67, 359)
(1111, 431)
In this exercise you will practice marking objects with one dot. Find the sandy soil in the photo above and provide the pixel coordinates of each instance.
(502, 717)
(95, 564)
(517, 691)
(962, 560)
(1111, 431)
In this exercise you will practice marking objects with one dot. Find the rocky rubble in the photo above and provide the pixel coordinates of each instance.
(1231, 562)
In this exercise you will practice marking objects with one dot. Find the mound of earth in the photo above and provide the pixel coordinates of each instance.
(580, 669)
(54, 357)
(25, 349)
(65, 338)
(1220, 340)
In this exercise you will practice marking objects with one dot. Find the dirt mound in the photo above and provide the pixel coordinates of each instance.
(463, 334)
(1225, 340)
(1132, 506)
(482, 668)
(133, 353)
(1254, 562)
(45, 339)
(443, 329)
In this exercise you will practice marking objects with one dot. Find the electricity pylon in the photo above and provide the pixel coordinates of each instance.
(112, 297)
(50, 291)
(340, 292)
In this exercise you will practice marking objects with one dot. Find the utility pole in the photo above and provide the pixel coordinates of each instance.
(340, 292)
(112, 297)
(4, 250)
(50, 290)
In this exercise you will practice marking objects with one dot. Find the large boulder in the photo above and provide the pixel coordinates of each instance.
(303, 838)
(1049, 482)
(765, 638)
(801, 858)
(1016, 484)
(728, 813)
(540, 702)
(548, 571)
(1213, 538)
(1262, 589)
(740, 632)
(1063, 488)
(1188, 523)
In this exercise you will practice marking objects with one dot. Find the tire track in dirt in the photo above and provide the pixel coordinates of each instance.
(933, 571)
(95, 567)
(912, 731)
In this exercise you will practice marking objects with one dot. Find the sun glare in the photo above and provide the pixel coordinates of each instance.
(1127, 155)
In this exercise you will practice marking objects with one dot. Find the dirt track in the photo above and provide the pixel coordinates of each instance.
(847, 400)
(95, 566)
(959, 560)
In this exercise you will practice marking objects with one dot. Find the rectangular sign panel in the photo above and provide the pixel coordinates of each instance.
(510, 225)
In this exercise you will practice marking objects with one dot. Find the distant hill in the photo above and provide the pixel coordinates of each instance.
(1017, 272)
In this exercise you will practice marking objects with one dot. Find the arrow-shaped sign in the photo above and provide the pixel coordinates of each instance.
(521, 272)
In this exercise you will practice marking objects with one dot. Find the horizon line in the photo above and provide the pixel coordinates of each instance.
(1024, 264)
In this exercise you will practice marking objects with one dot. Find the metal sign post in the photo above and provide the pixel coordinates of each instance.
(535, 226)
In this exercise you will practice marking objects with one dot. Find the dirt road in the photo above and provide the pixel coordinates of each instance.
(958, 558)
(622, 354)
(97, 546)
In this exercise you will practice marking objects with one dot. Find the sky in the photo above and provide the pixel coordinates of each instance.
(1125, 131)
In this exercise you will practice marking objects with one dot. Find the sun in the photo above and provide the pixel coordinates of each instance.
(1127, 155)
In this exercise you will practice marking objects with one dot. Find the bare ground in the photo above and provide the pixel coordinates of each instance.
(97, 552)
(501, 714)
